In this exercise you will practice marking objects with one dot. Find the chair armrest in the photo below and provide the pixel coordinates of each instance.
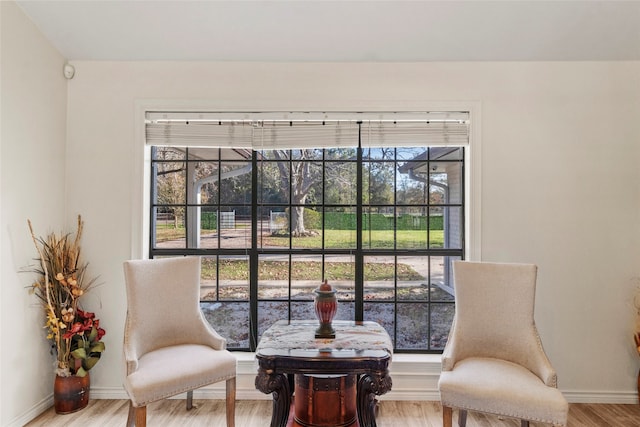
(540, 364)
(449, 358)
(129, 349)
(209, 336)
(548, 375)
(131, 365)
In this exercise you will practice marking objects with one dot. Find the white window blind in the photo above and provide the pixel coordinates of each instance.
(260, 131)
(411, 134)
(200, 134)
(315, 134)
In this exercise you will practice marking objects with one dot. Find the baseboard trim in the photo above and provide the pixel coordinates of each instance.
(620, 397)
(33, 412)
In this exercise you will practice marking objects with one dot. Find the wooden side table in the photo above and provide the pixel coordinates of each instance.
(360, 349)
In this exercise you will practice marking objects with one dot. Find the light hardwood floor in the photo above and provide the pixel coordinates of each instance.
(257, 413)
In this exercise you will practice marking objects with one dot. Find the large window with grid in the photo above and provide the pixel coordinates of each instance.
(274, 208)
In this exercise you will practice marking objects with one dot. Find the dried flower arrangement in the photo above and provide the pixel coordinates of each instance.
(75, 334)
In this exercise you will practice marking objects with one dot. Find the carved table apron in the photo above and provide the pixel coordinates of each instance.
(287, 348)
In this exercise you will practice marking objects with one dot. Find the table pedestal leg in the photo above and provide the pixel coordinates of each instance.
(370, 386)
(325, 401)
(278, 386)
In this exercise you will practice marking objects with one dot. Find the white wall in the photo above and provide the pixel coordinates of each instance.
(560, 177)
(32, 170)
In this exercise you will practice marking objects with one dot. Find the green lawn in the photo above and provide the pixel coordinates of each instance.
(335, 239)
(304, 270)
(375, 239)
(165, 233)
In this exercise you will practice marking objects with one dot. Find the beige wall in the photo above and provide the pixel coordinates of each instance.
(560, 149)
(32, 171)
(560, 183)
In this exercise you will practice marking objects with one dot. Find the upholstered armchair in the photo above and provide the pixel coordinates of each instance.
(169, 348)
(493, 361)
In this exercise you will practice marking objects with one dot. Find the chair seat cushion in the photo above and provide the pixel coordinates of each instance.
(502, 388)
(173, 370)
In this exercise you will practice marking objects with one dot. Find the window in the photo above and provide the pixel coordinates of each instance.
(274, 207)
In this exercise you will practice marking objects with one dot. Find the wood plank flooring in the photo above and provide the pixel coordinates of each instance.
(257, 413)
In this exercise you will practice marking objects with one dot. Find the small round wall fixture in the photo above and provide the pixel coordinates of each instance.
(69, 71)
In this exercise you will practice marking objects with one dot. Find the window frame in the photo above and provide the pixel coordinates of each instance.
(141, 248)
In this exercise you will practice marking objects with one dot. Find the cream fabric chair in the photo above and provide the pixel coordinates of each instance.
(494, 361)
(169, 348)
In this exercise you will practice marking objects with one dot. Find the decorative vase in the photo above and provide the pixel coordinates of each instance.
(70, 394)
(326, 305)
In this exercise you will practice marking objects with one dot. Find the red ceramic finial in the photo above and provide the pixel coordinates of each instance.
(325, 286)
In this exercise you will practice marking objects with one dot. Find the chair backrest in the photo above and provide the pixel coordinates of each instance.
(162, 302)
(494, 311)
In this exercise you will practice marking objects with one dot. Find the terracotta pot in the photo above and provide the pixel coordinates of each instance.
(70, 394)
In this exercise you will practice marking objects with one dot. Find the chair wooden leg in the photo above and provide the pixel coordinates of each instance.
(524, 423)
(447, 416)
(141, 416)
(189, 400)
(231, 402)
(131, 422)
(137, 416)
(462, 418)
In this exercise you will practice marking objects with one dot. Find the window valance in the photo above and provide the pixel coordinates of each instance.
(306, 130)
